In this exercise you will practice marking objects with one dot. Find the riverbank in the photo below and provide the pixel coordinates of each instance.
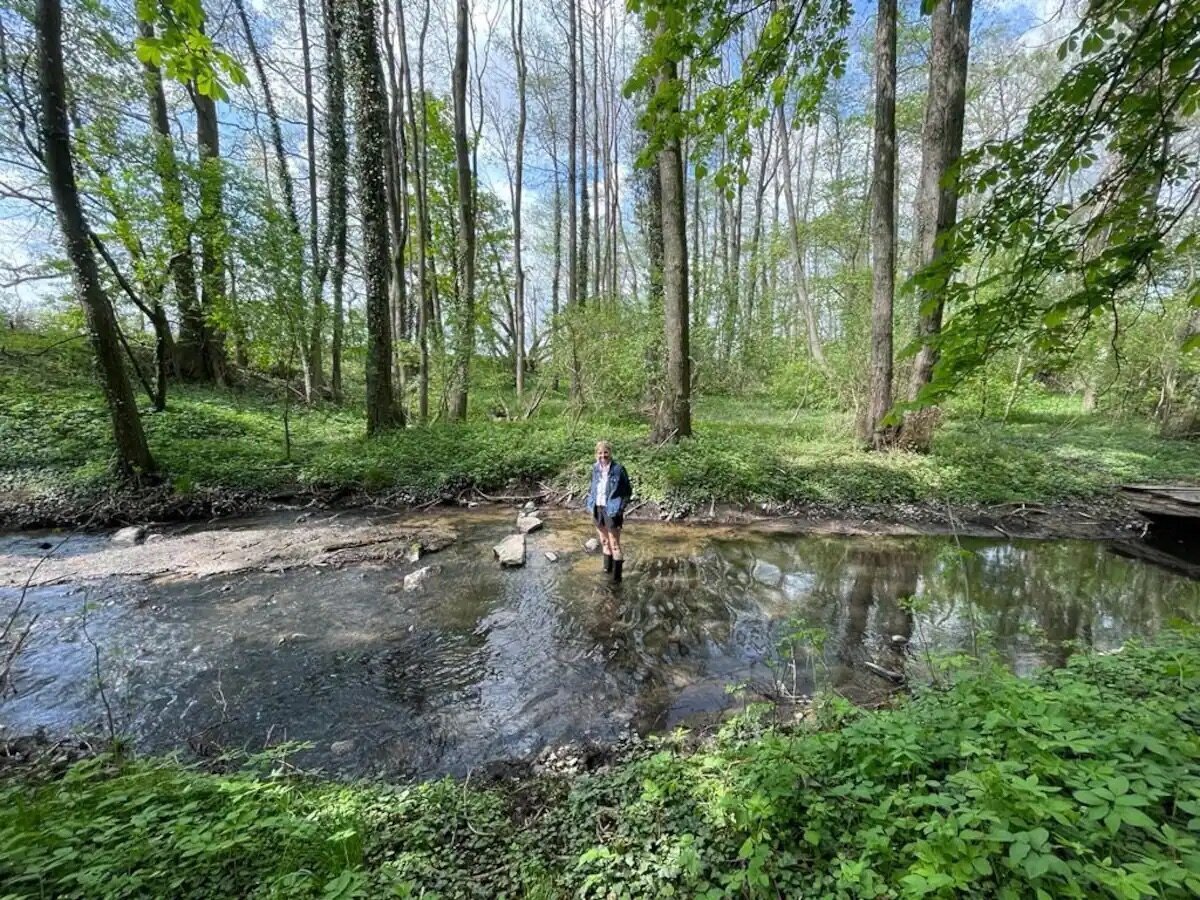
(1096, 518)
(1082, 781)
(1046, 470)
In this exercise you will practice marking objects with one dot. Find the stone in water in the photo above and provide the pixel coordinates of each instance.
(511, 551)
(416, 580)
(526, 524)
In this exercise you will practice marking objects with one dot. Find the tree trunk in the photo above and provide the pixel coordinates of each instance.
(941, 148)
(585, 212)
(653, 234)
(883, 229)
(799, 281)
(518, 37)
(675, 412)
(465, 332)
(299, 333)
(595, 160)
(187, 359)
(420, 177)
(317, 270)
(212, 235)
(397, 182)
(556, 277)
(572, 187)
(133, 454)
(365, 77)
(756, 230)
(336, 153)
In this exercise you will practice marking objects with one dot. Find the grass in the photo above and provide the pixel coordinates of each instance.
(54, 437)
(1083, 782)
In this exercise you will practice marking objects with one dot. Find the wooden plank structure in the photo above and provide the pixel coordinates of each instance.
(1165, 502)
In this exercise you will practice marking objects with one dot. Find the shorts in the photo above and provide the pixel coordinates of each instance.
(606, 520)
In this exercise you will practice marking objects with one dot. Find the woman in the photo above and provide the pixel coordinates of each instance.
(606, 499)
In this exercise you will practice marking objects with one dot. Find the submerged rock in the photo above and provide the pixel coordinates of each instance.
(591, 545)
(341, 748)
(295, 637)
(529, 507)
(552, 556)
(416, 580)
(511, 551)
(527, 524)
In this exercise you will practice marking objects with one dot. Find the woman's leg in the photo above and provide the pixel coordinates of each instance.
(605, 546)
(614, 541)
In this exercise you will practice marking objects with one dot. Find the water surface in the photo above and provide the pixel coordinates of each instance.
(485, 664)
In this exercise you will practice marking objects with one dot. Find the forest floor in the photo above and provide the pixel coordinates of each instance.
(1048, 470)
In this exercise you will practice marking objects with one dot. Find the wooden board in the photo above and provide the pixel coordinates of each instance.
(1169, 500)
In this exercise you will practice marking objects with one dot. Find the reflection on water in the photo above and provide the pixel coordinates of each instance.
(486, 664)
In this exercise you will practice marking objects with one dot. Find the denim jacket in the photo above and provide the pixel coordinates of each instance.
(619, 489)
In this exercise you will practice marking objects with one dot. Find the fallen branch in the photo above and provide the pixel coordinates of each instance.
(508, 498)
(14, 650)
(29, 354)
(894, 677)
(537, 401)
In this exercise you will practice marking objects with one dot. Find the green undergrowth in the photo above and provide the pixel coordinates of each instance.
(54, 439)
(1082, 782)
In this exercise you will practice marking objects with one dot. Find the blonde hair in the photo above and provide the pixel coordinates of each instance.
(604, 445)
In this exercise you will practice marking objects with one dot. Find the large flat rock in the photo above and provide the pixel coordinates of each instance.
(511, 551)
(526, 524)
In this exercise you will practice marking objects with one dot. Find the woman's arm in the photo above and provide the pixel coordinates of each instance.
(624, 488)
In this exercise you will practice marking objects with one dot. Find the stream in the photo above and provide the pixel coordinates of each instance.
(284, 628)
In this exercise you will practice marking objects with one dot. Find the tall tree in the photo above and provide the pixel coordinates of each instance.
(365, 81)
(397, 185)
(518, 38)
(674, 420)
(188, 360)
(595, 154)
(465, 332)
(941, 149)
(420, 177)
(572, 189)
(317, 268)
(336, 166)
(133, 453)
(585, 214)
(212, 228)
(800, 280)
(299, 335)
(883, 229)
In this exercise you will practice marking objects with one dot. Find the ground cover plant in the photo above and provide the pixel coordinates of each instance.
(1080, 782)
(54, 438)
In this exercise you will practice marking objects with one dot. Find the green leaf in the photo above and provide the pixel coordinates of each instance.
(1037, 864)
(1138, 819)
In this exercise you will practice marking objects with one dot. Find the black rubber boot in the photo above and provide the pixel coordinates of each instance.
(608, 563)
(616, 572)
